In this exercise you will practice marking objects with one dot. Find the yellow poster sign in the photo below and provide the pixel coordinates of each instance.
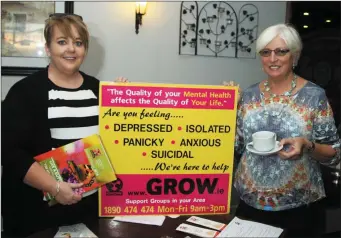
(171, 146)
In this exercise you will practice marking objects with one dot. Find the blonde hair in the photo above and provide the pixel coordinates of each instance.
(64, 24)
(288, 33)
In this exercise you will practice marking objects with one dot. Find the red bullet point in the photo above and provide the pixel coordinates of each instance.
(179, 128)
(106, 127)
(144, 153)
(116, 141)
(173, 142)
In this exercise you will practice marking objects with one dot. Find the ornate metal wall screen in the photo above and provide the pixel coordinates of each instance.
(217, 30)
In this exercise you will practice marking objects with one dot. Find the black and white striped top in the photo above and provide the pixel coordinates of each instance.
(33, 108)
(72, 113)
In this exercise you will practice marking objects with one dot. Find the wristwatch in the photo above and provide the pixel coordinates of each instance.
(311, 148)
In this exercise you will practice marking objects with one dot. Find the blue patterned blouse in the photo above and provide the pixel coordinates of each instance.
(268, 182)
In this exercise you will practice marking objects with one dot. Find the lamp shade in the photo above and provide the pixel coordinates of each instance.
(141, 7)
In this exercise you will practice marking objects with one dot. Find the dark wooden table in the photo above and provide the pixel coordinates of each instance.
(106, 228)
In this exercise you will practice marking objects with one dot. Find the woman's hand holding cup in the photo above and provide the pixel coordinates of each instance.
(296, 146)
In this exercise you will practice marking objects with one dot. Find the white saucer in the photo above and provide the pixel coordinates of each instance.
(277, 148)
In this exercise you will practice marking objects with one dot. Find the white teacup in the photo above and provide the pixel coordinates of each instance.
(264, 141)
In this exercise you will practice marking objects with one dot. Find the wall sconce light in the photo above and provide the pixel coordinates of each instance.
(141, 8)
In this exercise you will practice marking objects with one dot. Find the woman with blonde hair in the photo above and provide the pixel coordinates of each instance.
(46, 110)
(282, 188)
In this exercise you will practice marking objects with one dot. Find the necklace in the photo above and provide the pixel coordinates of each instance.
(276, 114)
(287, 93)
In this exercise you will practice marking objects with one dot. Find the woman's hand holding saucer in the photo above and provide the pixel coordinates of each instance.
(296, 146)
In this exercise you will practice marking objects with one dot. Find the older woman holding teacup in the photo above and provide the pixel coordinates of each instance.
(285, 130)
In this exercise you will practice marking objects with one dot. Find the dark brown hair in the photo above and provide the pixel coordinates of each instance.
(64, 23)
